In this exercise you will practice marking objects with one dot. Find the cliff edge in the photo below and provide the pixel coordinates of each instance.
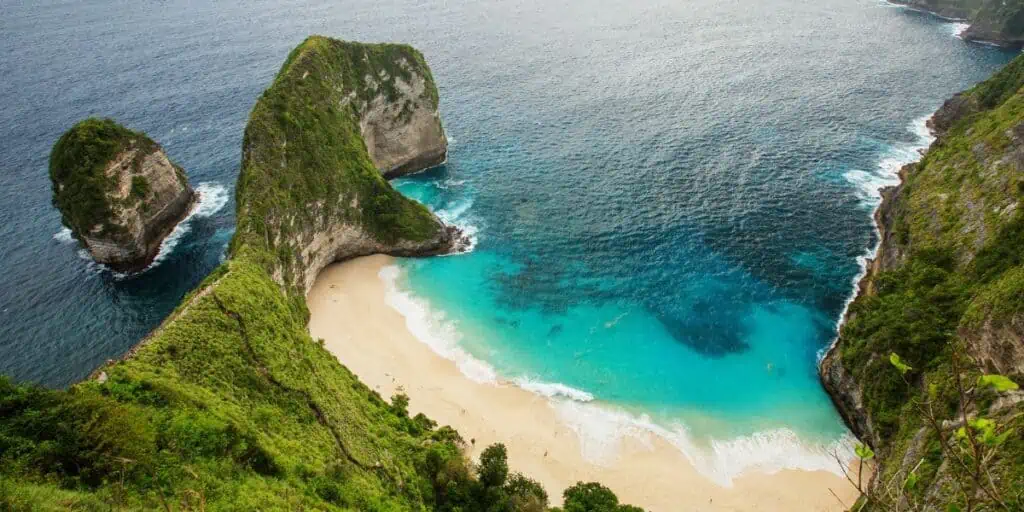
(118, 192)
(948, 277)
(998, 22)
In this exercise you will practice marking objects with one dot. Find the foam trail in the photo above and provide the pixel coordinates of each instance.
(432, 328)
(601, 428)
(64, 236)
(456, 214)
(212, 197)
(870, 190)
(959, 28)
(553, 390)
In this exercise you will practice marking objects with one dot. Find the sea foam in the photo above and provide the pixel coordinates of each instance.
(433, 328)
(870, 190)
(602, 428)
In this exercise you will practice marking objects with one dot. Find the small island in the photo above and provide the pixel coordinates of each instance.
(118, 192)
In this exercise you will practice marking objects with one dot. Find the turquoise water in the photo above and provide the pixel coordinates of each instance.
(671, 200)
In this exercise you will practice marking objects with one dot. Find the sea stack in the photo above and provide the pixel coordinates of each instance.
(118, 192)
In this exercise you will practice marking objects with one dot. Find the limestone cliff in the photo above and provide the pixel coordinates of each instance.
(309, 190)
(118, 192)
(400, 123)
(948, 276)
(992, 21)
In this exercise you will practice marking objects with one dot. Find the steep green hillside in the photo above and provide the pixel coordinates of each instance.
(946, 294)
(230, 405)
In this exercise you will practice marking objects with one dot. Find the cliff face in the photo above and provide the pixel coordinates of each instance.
(992, 21)
(400, 124)
(309, 191)
(948, 276)
(118, 192)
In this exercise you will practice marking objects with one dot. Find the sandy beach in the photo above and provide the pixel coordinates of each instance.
(349, 311)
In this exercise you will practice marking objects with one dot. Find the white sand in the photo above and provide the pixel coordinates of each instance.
(348, 310)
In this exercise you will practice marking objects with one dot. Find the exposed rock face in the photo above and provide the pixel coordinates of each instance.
(316, 194)
(404, 135)
(118, 192)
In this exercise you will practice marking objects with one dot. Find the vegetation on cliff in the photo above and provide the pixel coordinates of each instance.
(77, 170)
(947, 283)
(305, 165)
(230, 405)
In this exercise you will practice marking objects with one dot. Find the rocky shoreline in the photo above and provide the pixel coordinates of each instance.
(988, 25)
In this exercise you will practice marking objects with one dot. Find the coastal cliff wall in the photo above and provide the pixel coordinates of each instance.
(948, 276)
(992, 21)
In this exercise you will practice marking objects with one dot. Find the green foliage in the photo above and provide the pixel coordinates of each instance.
(593, 497)
(864, 452)
(140, 187)
(230, 404)
(77, 164)
(903, 368)
(952, 278)
(997, 382)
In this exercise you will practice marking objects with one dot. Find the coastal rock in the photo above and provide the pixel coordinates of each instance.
(118, 192)
(312, 189)
(401, 125)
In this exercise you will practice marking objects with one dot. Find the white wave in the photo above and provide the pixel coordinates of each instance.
(64, 236)
(553, 390)
(958, 29)
(457, 214)
(433, 328)
(870, 186)
(602, 430)
(212, 197)
(887, 3)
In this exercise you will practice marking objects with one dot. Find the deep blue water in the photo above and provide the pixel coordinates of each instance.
(670, 198)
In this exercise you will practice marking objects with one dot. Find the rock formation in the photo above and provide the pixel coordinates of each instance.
(310, 191)
(118, 192)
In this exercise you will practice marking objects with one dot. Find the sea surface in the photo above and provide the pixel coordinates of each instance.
(671, 200)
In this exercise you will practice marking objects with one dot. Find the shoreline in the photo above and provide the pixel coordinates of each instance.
(349, 311)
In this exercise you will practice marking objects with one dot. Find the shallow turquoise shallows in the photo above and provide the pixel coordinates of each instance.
(671, 199)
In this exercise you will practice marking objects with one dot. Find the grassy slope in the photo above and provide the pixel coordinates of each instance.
(955, 219)
(230, 405)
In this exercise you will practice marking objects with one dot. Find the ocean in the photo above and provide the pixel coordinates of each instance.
(670, 201)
